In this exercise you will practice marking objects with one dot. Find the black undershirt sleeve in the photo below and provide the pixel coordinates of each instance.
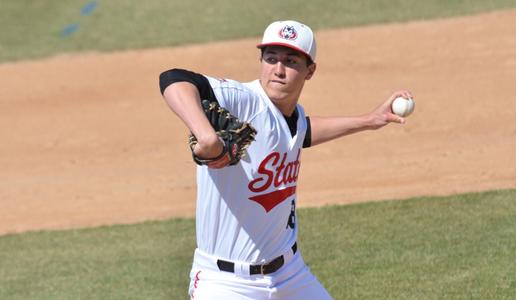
(179, 75)
(308, 136)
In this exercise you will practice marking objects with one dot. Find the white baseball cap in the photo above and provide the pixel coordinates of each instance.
(290, 34)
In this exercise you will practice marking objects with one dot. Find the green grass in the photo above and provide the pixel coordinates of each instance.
(457, 247)
(31, 29)
(143, 261)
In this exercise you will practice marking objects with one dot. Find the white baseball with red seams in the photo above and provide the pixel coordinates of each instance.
(403, 107)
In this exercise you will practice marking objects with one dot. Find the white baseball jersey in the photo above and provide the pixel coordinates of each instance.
(246, 212)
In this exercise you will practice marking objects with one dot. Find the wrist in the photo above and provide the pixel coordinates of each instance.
(366, 121)
(209, 139)
(208, 146)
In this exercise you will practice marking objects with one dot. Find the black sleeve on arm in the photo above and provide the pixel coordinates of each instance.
(178, 75)
(308, 136)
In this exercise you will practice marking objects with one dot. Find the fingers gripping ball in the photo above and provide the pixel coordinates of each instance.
(236, 136)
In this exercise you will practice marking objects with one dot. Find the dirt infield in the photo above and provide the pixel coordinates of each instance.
(88, 140)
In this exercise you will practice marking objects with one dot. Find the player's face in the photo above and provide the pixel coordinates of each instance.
(283, 75)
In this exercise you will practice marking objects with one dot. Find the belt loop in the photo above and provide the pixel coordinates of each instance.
(242, 270)
(288, 256)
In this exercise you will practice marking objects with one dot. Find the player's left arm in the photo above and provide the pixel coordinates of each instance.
(324, 129)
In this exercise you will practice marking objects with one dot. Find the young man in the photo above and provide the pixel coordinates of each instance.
(245, 219)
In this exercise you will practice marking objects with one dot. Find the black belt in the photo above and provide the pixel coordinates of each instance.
(265, 269)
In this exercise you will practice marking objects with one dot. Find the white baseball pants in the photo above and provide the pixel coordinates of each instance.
(293, 281)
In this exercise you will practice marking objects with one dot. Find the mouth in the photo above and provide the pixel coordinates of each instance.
(277, 81)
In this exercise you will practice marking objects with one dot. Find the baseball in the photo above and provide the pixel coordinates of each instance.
(402, 107)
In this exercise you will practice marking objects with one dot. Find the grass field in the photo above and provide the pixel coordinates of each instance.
(456, 247)
(30, 29)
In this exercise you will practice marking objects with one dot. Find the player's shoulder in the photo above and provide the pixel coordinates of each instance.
(226, 84)
(239, 98)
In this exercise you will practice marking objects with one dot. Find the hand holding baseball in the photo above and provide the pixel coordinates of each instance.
(384, 114)
(399, 106)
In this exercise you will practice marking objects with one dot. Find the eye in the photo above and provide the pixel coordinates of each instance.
(271, 60)
(291, 61)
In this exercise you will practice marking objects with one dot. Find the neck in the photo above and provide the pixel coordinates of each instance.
(286, 103)
(286, 108)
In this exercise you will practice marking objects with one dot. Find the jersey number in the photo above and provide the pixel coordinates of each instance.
(292, 218)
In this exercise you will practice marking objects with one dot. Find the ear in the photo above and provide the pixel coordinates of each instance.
(262, 50)
(311, 71)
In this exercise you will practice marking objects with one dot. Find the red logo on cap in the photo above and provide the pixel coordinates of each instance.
(288, 32)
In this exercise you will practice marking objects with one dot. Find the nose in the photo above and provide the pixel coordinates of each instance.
(279, 69)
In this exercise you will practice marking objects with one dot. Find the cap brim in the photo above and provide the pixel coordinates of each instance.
(285, 45)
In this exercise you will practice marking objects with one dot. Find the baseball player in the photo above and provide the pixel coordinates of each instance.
(246, 212)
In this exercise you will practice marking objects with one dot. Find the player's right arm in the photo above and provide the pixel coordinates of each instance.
(182, 92)
(324, 129)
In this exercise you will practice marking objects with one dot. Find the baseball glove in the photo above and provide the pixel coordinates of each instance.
(235, 135)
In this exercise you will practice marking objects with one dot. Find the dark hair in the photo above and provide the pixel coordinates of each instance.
(309, 61)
